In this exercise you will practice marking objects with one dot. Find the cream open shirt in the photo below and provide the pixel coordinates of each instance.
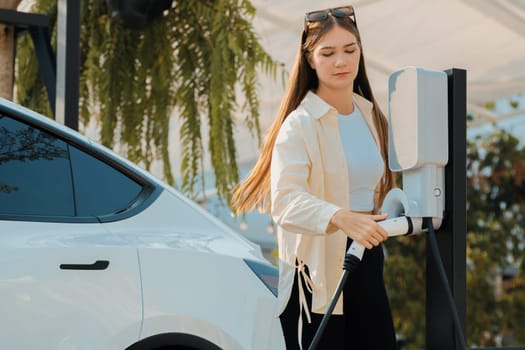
(309, 183)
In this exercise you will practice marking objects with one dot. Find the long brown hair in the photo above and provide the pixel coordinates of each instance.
(254, 191)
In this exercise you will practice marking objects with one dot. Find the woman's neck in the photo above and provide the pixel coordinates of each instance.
(340, 99)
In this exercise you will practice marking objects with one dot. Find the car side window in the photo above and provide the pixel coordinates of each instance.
(99, 188)
(44, 177)
(35, 176)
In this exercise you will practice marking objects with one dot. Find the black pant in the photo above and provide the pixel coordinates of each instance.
(367, 319)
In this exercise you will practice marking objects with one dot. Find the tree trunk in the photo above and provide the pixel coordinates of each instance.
(7, 52)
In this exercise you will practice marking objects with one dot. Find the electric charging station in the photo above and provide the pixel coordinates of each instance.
(427, 142)
(427, 121)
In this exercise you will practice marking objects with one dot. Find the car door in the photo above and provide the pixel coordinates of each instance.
(66, 297)
(65, 282)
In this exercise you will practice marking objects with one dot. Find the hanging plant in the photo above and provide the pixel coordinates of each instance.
(194, 63)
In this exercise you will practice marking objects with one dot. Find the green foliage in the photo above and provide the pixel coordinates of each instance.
(197, 61)
(496, 208)
(495, 242)
(490, 105)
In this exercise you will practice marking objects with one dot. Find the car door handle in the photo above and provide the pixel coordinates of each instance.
(97, 265)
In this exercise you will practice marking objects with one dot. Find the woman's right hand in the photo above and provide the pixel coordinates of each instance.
(362, 228)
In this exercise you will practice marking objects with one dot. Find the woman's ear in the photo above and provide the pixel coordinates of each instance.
(309, 59)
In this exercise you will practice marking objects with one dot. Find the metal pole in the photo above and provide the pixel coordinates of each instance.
(68, 62)
(440, 333)
(46, 62)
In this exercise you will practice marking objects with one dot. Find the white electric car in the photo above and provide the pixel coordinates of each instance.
(96, 253)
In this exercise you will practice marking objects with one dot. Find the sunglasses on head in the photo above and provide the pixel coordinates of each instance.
(321, 15)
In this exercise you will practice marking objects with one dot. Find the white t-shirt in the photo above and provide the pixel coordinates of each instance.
(363, 159)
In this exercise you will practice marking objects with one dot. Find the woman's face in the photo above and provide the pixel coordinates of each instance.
(336, 59)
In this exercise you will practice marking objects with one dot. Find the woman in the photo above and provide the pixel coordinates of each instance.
(324, 165)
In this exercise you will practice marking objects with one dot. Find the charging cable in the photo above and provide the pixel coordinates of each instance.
(403, 225)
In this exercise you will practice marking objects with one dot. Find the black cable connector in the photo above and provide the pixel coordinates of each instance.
(351, 263)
